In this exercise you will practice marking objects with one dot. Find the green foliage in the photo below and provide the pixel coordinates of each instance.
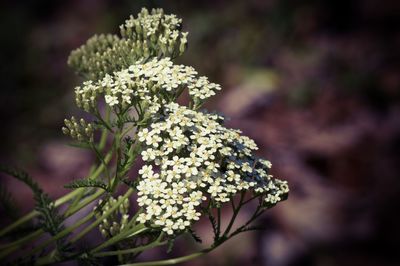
(130, 183)
(87, 183)
(195, 236)
(49, 219)
(214, 226)
(23, 177)
(193, 164)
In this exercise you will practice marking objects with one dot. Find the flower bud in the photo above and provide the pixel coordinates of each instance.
(65, 130)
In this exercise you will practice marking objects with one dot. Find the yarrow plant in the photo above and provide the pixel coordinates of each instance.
(192, 165)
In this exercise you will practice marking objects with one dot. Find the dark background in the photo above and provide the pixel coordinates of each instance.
(315, 83)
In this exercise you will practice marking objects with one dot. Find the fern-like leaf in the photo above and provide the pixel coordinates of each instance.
(195, 236)
(49, 219)
(252, 228)
(130, 183)
(214, 226)
(87, 183)
(23, 177)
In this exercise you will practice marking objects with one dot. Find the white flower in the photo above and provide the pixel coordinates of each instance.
(148, 155)
(246, 167)
(199, 160)
(146, 171)
(154, 82)
(111, 100)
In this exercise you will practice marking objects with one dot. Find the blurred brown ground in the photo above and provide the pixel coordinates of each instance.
(315, 83)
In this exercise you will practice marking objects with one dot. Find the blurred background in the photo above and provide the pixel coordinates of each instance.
(315, 83)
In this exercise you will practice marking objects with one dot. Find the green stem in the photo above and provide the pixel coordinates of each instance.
(128, 233)
(235, 213)
(57, 203)
(23, 240)
(60, 235)
(205, 251)
(96, 174)
(33, 214)
(15, 245)
(49, 260)
(171, 261)
(131, 250)
(252, 198)
(8, 251)
(133, 220)
(101, 159)
(86, 201)
(118, 159)
(76, 201)
(105, 215)
(104, 133)
(256, 214)
(218, 223)
(105, 123)
(101, 146)
(122, 235)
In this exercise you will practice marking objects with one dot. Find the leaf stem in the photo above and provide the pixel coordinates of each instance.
(171, 261)
(61, 234)
(57, 203)
(15, 245)
(218, 223)
(105, 215)
(235, 213)
(132, 250)
(125, 233)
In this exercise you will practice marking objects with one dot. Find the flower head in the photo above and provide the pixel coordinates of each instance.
(203, 161)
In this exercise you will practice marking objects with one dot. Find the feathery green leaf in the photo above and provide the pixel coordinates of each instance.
(86, 183)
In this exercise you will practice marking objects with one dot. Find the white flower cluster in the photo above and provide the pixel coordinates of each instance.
(151, 85)
(190, 158)
(162, 31)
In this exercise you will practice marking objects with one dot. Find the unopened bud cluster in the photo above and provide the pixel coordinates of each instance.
(117, 221)
(151, 34)
(100, 55)
(79, 130)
